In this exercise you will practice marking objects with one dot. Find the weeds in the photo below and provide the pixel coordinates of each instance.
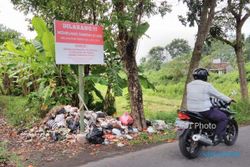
(242, 109)
(145, 138)
(7, 158)
(18, 112)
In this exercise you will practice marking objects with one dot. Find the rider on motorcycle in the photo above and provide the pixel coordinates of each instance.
(199, 92)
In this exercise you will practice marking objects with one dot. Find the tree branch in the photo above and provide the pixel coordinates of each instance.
(211, 12)
(224, 40)
(244, 18)
(230, 6)
(138, 13)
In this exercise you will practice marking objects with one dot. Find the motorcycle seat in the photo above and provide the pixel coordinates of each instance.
(197, 115)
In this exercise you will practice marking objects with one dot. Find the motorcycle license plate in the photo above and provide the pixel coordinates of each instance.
(182, 124)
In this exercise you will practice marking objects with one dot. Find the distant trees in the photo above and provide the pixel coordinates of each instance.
(158, 55)
(178, 47)
(154, 59)
(7, 34)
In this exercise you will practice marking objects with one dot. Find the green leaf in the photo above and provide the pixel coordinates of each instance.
(48, 44)
(142, 28)
(117, 90)
(39, 26)
(38, 45)
(145, 83)
(96, 79)
(98, 93)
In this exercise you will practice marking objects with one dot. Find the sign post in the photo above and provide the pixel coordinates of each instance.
(79, 43)
(81, 94)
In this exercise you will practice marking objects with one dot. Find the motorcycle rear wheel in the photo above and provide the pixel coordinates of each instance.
(231, 133)
(189, 148)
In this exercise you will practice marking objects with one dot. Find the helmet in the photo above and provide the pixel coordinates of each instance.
(201, 74)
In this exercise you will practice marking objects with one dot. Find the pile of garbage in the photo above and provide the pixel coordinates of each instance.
(103, 129)
(63, 123)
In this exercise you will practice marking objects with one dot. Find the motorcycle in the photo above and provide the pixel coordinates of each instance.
(195, 131)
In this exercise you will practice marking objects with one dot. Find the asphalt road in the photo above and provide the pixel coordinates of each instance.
(168, 155)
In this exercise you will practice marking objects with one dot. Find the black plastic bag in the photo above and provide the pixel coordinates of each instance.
(73, 125)
(95, 136)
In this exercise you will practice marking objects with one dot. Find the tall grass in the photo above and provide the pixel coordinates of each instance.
(242, 109)
(18, 112)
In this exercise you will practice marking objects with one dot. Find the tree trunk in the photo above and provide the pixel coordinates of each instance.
(194, 63)
(134, 87)
(241, 64)
(207, 15)
(7, 84)
(127, 44)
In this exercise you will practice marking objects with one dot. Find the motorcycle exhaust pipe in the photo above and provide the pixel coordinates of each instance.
(203, 139)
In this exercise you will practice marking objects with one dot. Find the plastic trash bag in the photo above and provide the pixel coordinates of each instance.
(73, 125)
(126, 119)
(95, 136)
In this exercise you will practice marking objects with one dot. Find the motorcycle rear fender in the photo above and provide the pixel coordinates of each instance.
(180, 132)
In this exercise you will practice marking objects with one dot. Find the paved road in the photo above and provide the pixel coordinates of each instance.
(168, 155)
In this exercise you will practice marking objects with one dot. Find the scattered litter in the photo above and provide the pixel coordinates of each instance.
(116, 132)
(63, 123)
(129, 137)
(150, 129)
(60, 121)
(120, 145)
(159, 125)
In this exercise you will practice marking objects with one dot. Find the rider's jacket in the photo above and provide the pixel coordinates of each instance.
(199, 93)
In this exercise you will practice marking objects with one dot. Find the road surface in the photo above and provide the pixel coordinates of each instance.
(168, 155)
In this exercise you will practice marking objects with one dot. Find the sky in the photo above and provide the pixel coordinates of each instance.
(161, 31)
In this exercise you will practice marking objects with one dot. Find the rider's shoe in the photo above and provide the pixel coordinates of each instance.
(217, 140)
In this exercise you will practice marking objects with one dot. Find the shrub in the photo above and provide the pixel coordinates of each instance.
(18, 112)
(242, 109)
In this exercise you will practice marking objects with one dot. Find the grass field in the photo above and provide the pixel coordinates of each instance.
(155, 107)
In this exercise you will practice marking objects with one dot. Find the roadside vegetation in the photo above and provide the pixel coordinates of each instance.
(28, 91)
(7, 158)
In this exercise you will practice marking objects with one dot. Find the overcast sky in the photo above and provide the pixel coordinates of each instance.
(162, 30)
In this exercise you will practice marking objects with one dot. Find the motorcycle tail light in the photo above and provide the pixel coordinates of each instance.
(183, 116)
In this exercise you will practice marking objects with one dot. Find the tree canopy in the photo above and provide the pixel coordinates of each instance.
(178, 47)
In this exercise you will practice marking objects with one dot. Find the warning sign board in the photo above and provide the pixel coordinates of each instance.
(78, 43)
